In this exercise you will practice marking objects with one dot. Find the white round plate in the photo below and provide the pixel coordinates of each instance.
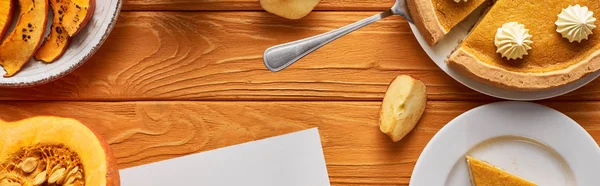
(530, 140)
(440, 52)
(82, 47)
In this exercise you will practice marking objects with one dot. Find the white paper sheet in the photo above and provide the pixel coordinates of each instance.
(294, 159)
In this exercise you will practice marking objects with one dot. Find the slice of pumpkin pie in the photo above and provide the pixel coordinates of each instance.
(435, 18)
(484, 174)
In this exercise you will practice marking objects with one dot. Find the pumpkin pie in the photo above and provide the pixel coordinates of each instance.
(482, 173)
(552, 61)
(435, 18)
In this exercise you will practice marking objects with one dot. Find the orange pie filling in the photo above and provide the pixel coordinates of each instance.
(450, 13)
(550, 50)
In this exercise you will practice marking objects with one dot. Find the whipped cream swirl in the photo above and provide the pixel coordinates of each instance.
(575, 23)
(513, 40)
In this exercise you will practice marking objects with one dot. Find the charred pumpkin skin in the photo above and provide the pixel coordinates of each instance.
(6, 13)
(57, 42)
(25, 39)
(78, 14)
(99, 165)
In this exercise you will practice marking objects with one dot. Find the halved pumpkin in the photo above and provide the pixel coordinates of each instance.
(25, 39)
(6, 12)
(77, 15)
(54, 151)
(57, 42)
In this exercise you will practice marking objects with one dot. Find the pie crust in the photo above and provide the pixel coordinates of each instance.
(471, 65)
(435, 18)
(426, 20)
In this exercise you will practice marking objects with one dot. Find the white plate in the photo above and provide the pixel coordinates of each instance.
(556, 150)
(82, 47)
(440, 52)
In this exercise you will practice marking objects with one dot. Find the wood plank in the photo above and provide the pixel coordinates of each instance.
(249, 5)
(355, 151)
(218, 56)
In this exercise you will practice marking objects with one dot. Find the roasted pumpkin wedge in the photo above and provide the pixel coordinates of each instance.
(77, 15)
(24, 40)
(6, 12)
(54, 151)
(57, 42)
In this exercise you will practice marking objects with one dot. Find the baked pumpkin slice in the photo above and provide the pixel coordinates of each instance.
(435, 18)
(77, 15)
(58, 41)
(552, 60)
(6, 12)
(70, 17)
(54, 151)
(20, 45)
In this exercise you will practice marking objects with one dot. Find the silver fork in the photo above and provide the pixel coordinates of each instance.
(282, 56)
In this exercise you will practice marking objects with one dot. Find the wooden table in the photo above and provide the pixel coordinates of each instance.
(178, 77)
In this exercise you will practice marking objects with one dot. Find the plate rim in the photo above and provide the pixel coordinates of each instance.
(583, 137)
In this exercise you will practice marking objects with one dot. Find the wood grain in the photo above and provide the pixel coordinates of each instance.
(178, 77)
(218, 56)
(157, 5)
(355, 151)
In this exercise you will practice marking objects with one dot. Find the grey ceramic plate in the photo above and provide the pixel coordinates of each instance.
(82, 47)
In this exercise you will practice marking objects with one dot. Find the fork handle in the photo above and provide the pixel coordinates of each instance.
(281, 56)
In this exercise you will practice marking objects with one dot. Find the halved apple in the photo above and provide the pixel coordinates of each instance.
(6, 12)
(25, 39)
(57, 42)
(402, 107)
(77, 14)
(291, 9)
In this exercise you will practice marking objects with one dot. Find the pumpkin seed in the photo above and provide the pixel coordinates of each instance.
(40, 178)
(73, 171)
(70, 180)
(56, 175)
(29, 164)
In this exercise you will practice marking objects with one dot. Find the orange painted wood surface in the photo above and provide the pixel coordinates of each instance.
(178, 77)
(218, 56)
(212, 5)
(356, 152)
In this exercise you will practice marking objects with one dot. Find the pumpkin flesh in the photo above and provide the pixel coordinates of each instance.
(67, 144)
(78, 14)
(6, 12)
(24, 40)
(57, 42)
